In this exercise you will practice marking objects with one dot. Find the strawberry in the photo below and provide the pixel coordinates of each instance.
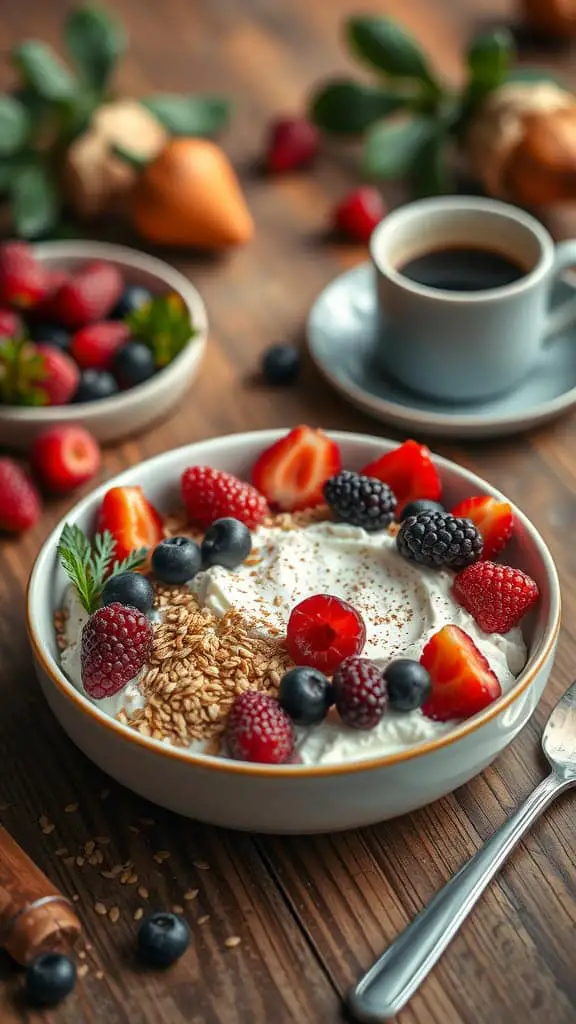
(211, 494)
(493, 518)
(291, 473)
(10, 324)
(89, 295)
(497, 596)
(60, 376)
(359, 213)
(292, 143)
(409, 471)
(19, 500)
(258, 730)
(95, 345)
(131, 519)
(462, 681)
(23, 280)
(45, 310)
(65, 457)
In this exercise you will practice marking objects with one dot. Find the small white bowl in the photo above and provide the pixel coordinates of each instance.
(290, 798)
(130, 411)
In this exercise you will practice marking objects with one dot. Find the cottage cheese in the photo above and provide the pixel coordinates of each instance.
(403, 605)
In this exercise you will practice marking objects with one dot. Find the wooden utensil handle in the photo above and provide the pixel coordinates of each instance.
(34, 916)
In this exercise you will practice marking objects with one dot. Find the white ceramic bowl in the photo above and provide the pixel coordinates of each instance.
(290, 798)
(130, 411)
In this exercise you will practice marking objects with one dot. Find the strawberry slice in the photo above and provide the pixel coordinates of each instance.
(462, 681)
(494, 519)
(409, 471)
(131, 519)
(292, 472)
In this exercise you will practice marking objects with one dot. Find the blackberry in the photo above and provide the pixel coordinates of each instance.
(439, 539)
(360, 500)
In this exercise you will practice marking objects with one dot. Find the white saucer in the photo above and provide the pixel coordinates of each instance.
(342, 337)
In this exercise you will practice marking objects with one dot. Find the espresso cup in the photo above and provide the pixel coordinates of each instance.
(464, 345)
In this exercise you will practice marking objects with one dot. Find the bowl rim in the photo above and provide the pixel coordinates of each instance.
(227, 765)
(133, 259)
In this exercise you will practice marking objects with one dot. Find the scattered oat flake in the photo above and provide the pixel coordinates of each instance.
(114, 914)
(124, 877)
(99, 975)
(134, 829)
(204, 918)
(107, 874)
(234, 940)
(82, 970)
(161, 856)
(48, 829)
(201, 865)
(80, 862)
(138, 914)
(81, 955)
(69, 861)
(117, 870)
(191, 894)
(71, 808)
(100, 909)
(177, 909)
(75, 897)
(102, 840)
(133, 879)
(90, 847)
(61, 851)
(143, 892)
(43, 821)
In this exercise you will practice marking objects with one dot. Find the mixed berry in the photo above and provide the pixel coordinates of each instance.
(117, 575)
(80, 336)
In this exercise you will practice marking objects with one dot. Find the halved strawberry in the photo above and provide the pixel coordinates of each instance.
(131, 519)
(462, 681)
(409, 471)
(494, 519)
(291, 473)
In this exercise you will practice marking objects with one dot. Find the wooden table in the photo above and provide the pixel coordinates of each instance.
(311, 913)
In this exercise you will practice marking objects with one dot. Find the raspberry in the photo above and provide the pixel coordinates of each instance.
(116, 643)
(497, 596)
(60, 377)
(293, 142)
(360, 500)
(211, 494)
(360, 693)
(23, 280)
(89, 295)
(359, 213)
(65, 457)
(10, 324)
(95, 345)
(323, 630)
(259, 730)
(439, 539)
(19, 500)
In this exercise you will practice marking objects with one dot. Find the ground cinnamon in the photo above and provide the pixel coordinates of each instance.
(34, 916)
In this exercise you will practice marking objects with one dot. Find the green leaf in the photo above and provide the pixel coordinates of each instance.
(392, 147)
(430, 174)
(165, 325)
(384, 45)
(95, 41)
(489, 59)
(134, 560)
(43, 71)
(14, 125)
(34, 201)
(345, 107)
(189, 115)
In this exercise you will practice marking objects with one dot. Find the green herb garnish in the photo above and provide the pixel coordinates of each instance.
(165, 325)
(88, 565)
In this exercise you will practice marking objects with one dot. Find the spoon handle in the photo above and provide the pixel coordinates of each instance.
(393, 979)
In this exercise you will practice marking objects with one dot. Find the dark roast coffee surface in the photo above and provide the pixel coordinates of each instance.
(462, 269)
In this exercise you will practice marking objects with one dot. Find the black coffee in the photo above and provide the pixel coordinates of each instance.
(463, 269)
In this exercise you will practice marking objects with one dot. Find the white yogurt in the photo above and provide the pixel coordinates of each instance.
(403, 605)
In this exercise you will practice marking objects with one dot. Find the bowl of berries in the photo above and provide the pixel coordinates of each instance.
(294, 631)
(95, 334)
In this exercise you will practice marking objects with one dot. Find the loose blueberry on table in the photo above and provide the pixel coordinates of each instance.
(163, 938)
(334, 680)
(83, 335)
(50, 977)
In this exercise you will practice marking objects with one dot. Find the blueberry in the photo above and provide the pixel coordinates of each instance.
(133, 364)
(51, 334)
(227, 542)
(305, 695)
(163, 938)
(414, 508)
(133, 297)
(176, 560)
(49, 978)
(94, 385)
(129, 588)
(280, 364)
(408, 684)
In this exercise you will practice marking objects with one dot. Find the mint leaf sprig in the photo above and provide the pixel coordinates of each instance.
(165, 325)
(89, 564)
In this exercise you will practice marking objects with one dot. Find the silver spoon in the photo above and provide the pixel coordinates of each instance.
(393, 979)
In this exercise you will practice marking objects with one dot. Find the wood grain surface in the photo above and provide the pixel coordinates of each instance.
(310, 913)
